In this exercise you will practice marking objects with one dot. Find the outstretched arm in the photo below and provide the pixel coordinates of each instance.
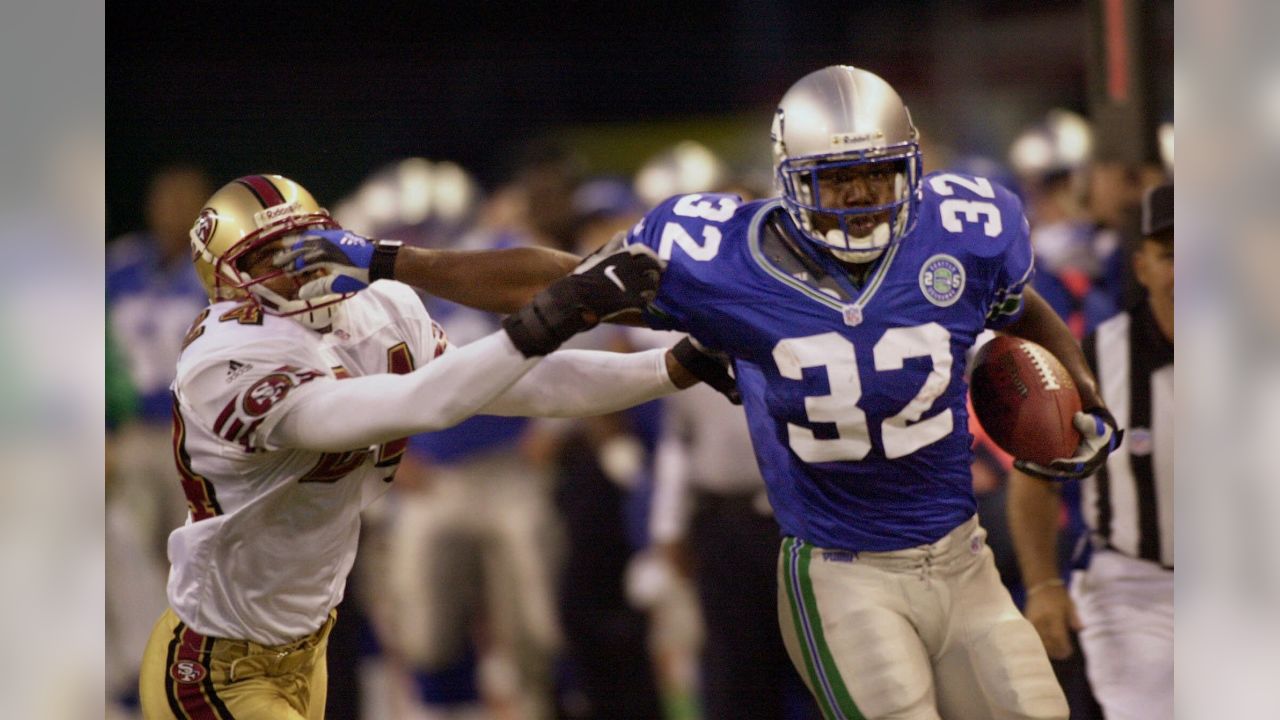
(501, 281)
(582, 383)
(340, 415)
(362, 411)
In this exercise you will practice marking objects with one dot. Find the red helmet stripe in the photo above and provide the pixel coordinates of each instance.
(263, 189)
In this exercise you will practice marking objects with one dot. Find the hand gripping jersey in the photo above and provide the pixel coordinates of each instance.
(271, 532)
(855, 396)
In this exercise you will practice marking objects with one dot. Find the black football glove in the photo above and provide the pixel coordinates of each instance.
(709, 366)
(623, 281)
(1099, 437)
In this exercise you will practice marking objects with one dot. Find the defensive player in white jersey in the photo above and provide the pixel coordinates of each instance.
(289, 414)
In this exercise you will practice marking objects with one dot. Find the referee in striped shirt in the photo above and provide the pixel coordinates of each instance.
(1122, 605)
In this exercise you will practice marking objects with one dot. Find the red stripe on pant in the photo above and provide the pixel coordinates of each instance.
(197, 698)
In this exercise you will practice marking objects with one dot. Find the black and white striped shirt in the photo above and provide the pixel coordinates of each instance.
(1128, 504)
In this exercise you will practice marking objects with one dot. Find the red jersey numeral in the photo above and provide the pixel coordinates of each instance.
(196, 329)
(334, 466)
(202, 501)
(245, 313)
(400, 362)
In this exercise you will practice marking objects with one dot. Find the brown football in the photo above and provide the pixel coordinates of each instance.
(1025, 399)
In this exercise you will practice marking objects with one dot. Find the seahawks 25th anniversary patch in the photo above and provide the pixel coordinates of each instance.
(942, 280)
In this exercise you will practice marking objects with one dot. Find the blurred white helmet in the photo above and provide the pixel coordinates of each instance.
(1165, 138)
(409, 193)
(1061, 143)
(686, 167)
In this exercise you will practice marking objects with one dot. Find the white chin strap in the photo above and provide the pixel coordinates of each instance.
(872, 245)
(316, 319)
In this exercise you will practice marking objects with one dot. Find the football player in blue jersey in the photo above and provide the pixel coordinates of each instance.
(848, 305)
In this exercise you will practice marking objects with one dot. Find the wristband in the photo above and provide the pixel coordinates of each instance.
(1043, 584)
(383, 264)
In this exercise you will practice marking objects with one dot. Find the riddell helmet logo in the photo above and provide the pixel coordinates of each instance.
(187, 672)
(205, 225)
(848, 140)
(263, 218)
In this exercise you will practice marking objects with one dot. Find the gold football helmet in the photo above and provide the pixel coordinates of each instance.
(245, 215)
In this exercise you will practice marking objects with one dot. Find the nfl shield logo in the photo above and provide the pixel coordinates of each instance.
(852, 315)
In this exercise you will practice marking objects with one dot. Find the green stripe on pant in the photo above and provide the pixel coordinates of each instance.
(803, 600)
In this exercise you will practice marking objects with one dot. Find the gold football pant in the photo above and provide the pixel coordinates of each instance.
(188, 676)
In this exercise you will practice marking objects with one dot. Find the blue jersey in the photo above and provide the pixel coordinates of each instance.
(150, 307)
(855, 396)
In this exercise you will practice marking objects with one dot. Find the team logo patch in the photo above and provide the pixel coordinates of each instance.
(187, 672)
(205, 225)
(942, 280)
(266, 392)
(1139, 440)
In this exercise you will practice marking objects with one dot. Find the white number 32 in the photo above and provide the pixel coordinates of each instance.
(955, 212)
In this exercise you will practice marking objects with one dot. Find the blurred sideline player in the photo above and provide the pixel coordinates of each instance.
(1125, 597)
(848, 305)
(710, 523)
(473, 539)
(1079, 264)
(711, 520)
(609, 668)
(152, 294)
(289, 409)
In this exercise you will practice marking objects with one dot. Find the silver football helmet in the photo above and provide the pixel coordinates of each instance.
(843, 117)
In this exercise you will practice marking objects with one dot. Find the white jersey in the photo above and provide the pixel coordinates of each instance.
(271, 532)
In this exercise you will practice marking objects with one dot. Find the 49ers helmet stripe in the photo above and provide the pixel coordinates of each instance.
(263, 189)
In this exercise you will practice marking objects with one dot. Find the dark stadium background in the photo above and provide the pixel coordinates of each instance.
(327, 97)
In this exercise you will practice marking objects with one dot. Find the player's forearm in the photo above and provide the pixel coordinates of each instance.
(358, 412)
(501, 281)
(1041, 325)
(1033, 510)
(582, 383)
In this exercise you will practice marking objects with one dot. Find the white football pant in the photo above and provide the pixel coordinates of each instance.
(922, 633)
(1126, 607)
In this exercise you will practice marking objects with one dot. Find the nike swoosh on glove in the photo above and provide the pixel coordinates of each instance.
(624, 281)
(1099, 437)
